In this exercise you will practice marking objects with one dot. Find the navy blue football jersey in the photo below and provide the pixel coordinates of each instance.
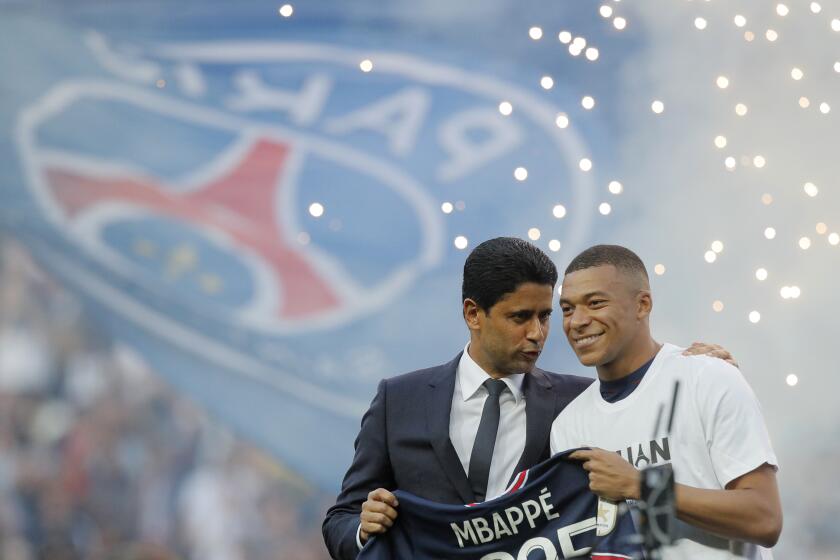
(547, 513)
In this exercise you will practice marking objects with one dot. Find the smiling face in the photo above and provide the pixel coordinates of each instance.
(508, 338)
(605, 318)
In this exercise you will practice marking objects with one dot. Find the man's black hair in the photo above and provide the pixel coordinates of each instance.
(499, 266)
(600, 255)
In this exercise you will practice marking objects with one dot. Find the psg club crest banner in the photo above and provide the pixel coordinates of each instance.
(274, 211)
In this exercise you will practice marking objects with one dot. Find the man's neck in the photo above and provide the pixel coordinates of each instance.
(630, 361)
(475, 353)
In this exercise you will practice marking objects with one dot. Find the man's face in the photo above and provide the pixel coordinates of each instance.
(509, 337)
(601, 313)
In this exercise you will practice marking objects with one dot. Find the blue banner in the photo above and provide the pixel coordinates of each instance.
(275, 210)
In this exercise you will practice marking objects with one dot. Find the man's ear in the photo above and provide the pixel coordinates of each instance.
(472, 313)
(644, 304)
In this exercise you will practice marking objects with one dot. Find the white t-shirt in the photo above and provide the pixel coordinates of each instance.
(718, 435)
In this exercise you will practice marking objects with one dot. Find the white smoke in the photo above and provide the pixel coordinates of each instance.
(684, 198)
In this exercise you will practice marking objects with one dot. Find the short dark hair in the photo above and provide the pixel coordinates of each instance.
(499, 266)
(600, 255)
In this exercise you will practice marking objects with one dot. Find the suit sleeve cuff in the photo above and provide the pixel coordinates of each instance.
(359, 536)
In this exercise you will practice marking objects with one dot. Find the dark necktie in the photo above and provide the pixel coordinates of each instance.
(485, 439)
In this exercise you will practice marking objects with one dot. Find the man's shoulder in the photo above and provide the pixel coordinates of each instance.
(580, 402)
(702, 367)
(428, 375)
(564, 382)
(417, 376)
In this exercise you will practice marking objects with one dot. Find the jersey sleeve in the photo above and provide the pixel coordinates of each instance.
(736, 434)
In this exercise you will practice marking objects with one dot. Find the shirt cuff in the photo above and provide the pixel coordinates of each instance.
(359, 536)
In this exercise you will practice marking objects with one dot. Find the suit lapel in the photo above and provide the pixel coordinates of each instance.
(438, 408)
(539, 415)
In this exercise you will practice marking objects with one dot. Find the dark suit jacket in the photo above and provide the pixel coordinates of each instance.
(404, 443)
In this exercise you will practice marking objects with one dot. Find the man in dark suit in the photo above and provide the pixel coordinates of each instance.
(457, 433)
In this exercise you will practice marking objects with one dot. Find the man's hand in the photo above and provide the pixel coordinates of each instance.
(378, 513)
(713, 350)
(610, 476)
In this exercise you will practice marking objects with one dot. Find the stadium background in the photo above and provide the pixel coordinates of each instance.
(222, 223)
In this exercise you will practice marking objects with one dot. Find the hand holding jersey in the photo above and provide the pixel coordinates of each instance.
(723, 461)
(610, 476)
(547, 512)
(378, 513)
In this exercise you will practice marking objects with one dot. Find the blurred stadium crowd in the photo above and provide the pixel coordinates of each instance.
(100, 460)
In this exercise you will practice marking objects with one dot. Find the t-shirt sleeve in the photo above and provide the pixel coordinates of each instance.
(555, 439)
(736, 434)
(561, 433)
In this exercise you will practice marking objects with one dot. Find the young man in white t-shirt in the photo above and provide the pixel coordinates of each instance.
(727, 499)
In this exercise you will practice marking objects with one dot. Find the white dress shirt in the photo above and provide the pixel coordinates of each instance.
(464, 417)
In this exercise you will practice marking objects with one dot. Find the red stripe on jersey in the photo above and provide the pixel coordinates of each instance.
(520, 481)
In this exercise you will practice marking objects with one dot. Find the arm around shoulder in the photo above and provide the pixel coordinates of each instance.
(370, 469)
